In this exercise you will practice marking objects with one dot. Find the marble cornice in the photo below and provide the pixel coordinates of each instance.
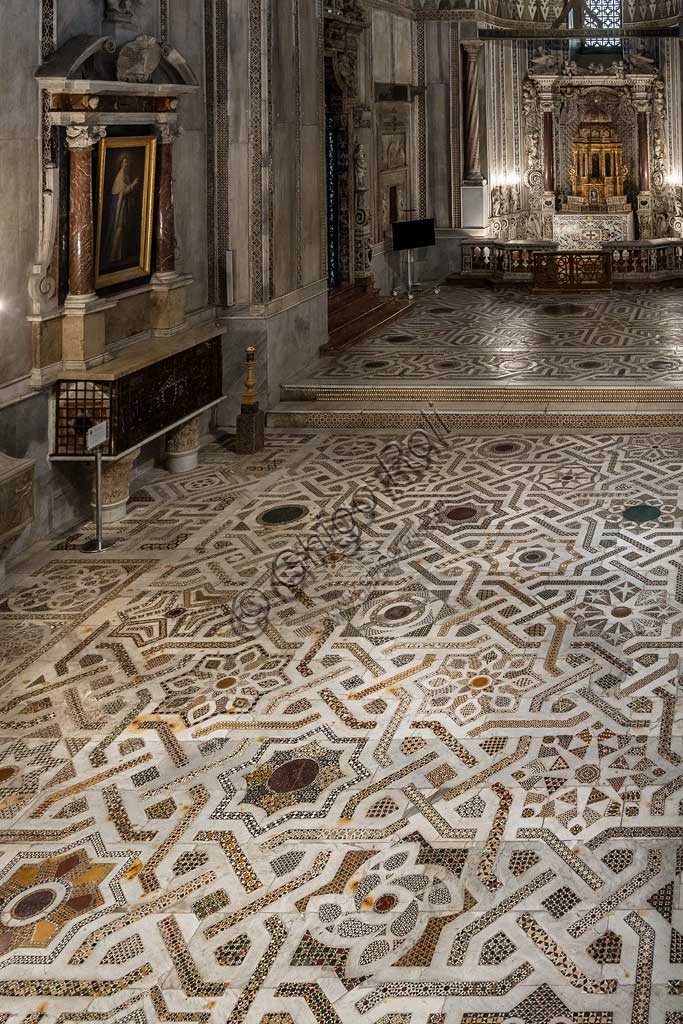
(400, 7)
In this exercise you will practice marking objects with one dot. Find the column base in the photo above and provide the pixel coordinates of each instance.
(474, 204)
(645, 215)
(250, 432)
(84, 332)
(182, 462)
(168, 300)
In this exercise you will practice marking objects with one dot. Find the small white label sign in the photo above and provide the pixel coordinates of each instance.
(97, 435)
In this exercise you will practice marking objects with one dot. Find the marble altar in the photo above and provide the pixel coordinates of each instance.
(590, 230)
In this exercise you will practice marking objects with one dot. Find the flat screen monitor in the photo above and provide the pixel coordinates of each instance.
(413, 234)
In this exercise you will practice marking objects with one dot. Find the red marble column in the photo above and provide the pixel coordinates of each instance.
(548, 153)
(643, 152)
(80, 140)
(165, 225)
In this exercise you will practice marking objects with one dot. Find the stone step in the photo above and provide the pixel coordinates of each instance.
(362, 326)
(478, 416)
(343, 293)
(356, 305)
(389, 391)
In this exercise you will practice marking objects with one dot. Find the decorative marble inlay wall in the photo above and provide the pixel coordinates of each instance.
(456, 114)
(420, 78)
(217, 145)
(48, 28)
(589, 230)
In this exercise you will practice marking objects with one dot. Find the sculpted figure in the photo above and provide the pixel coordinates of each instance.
(542, 62)
(640, 60)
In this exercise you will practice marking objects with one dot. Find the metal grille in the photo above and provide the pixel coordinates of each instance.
(571, 271)
(81, 404)
(602, 14)
(141, 404)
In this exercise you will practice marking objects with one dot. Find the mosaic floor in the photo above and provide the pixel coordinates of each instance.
(472, 336)
(440, 783)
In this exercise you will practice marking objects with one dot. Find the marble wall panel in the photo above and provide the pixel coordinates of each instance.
(285, 343)
(75, 17)
(19, 55)
(402, 56)
(382, 39)
(130, 316)
(283, 70)
(294, 337)
(438, 148)
(238, 163)
(438, 51)
(285, 210)
(186, 33)
(189, 167)
(310, 60)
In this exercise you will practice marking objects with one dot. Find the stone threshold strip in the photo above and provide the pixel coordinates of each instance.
(340, 535)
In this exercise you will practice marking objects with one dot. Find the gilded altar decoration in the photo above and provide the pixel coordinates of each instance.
(598, 169)
(125, 209)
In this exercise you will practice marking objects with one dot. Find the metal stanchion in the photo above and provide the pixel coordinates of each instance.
(95, 438)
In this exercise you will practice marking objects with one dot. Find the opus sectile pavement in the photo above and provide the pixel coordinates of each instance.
(468, 337)
(441, 784)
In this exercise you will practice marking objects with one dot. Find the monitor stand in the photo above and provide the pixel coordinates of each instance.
(412, 284)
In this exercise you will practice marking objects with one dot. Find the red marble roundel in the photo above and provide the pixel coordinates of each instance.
(293, 775)
(33, 903)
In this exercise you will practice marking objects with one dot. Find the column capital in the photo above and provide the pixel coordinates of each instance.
(84, 136)
(472, 47)
(169, 131)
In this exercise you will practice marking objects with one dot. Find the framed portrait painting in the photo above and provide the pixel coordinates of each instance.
(125, 212)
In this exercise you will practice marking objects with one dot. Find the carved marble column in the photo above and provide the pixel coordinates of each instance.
(548, 201)
(165, 225)
(182, 446)
(115, 487)
(472, 141)
(80, 139)
(83, 330)
(646, 227)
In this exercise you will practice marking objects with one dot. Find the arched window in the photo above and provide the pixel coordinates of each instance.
(595, 166)
(608, 166)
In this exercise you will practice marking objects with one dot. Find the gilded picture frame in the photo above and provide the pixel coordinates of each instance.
(125, 209)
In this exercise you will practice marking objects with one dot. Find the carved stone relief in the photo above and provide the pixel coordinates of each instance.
(394, 148)
(123, 11)
(533, 173)
(138, 60)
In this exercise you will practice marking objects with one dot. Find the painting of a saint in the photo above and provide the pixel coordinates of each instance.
(126, 199)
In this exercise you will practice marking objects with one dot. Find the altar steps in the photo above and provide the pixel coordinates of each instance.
(355, 312)
(476, 410)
